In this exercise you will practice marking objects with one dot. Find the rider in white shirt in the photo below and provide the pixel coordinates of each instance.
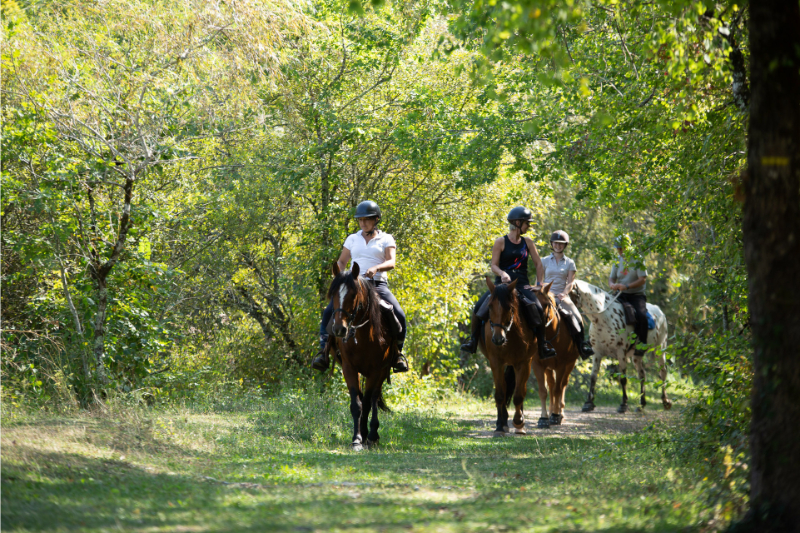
(560, 270)
(374, 251)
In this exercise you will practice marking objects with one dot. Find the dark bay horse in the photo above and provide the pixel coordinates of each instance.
(512, 347)
(555, 370)
(362, 340)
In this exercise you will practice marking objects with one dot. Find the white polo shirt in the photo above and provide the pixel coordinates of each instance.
(369, 254)
(557, 272)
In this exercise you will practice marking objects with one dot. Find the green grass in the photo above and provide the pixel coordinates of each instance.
(284, 464)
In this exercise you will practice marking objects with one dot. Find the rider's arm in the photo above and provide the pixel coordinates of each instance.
(570, 281)
(638, 283)
(344, 258)
(387, 265)
(536, 260)
(497, 249)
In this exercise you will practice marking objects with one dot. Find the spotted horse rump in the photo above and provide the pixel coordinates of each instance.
(608, 340)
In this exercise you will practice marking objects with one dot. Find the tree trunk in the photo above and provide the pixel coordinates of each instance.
(100, 329)
(771, 228)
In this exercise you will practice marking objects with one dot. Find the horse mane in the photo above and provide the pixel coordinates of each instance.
(504, 296)
(373, 302)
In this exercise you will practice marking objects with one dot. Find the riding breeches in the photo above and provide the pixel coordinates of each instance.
(482, 311)
(383, 291)
(572, 317)
(639, 303)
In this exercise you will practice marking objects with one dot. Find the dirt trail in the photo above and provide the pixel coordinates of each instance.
(601, 421)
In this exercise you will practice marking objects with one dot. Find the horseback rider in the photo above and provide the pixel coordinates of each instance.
(374, 251)
(509, 262)
(560, 270)
(631, 282)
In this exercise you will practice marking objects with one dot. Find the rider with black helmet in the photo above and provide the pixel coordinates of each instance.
(509, 262)
(374, 251)
(560, 271)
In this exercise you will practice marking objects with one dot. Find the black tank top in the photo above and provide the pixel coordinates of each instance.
(514, 260)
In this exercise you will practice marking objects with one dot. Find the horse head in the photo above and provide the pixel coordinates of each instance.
(588, 298)
(346, 295)
(548, 302)
(503, 308)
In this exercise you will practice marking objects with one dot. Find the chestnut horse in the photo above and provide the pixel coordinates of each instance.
(363, 343)
(510, 351)
(555, 370)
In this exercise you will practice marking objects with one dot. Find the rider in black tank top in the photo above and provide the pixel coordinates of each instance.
(512, 261)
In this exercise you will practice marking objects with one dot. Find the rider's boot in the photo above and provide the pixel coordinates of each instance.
(471, 346)
(584, 346)
(401, 363)
(535, 322)
(320, 362)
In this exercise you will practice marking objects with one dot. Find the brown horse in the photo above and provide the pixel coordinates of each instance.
(512, 347)
(556, 370)
(363, 344)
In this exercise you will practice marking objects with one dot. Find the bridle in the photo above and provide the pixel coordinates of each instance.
(351, 318)
(552, 306)
(501, 326)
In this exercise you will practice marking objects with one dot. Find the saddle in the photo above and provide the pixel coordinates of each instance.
(630, 316)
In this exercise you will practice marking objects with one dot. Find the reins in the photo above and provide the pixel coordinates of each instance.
(552, 306)
(614, 299)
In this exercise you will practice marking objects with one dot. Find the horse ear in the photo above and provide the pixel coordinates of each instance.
(490, 284)
(335, 268)
(546, 288)
(513, 284)
(355, 270)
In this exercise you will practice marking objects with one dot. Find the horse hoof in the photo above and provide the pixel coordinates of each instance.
(543, 423)
(588, 407)
(555, 420)
(357, 447)
(640, 409)
(506, 429)
(521, 430)
(667, 404)
(520, 425)
(623, 408)
(499, 433)
(372, 444)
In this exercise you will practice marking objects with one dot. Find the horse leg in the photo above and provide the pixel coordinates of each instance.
(589, 405)
(351, 379)
(550, 374)
(562, 378)
(373, 391)
(523, 371)
(666, 402)
(498, 376)
(366, 406)
(538, 371)
(638, 362)
(623, 382)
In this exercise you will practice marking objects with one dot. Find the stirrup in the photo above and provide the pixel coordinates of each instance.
(586, 349)
(400, 364)
(471, 346)
(321, 362)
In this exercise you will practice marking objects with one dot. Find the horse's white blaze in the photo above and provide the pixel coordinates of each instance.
(342, 294)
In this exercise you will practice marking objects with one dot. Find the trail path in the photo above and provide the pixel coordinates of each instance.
(601, 421)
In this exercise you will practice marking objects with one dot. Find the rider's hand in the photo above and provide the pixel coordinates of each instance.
(370, 272)
(561, 296)
(505, 278)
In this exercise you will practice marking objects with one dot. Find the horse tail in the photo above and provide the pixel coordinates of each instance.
(511, 382)
(382, 403)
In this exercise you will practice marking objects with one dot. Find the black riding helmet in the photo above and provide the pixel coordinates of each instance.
(368, 209)
(559, 236)
(520, 213)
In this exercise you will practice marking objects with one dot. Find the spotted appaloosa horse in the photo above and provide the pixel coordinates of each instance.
(608, 319)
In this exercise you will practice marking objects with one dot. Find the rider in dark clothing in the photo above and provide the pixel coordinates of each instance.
(631, 282)
(510, 262)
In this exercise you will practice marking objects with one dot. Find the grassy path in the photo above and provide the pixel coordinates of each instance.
(283, 465)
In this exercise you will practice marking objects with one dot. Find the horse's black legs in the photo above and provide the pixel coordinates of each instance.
(623, 381)
(589, 405)
(366, 406)
(356, 411)
(373, 423)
